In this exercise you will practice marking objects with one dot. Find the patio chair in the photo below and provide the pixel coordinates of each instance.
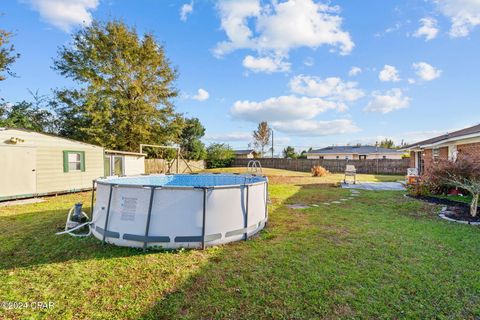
(350, 171)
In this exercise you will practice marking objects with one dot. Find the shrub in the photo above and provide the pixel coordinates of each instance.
(418, 190)
(319, 171)
(219, 155)
(463, 173)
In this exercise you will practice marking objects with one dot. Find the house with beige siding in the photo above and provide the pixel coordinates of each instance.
(354, 153)
(35, 164)
(424, 154)
(244, 154)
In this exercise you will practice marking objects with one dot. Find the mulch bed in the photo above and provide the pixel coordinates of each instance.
(455, 209)
(460, 214)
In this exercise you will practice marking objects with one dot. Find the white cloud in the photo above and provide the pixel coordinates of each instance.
(283, 108)
(229, 136)
(463, 14)
(354, 71)
(389, 73)
(428, 29)
(411, 80)
(391, 29)
(276, 28)
(201, 95)
(185, 11)
(64, 14)
(265, 64)
(309, 61)
(387, 102)
(311, 128)
(333, 88)
(426, 71)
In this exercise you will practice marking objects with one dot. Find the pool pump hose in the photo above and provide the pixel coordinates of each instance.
(77, 220)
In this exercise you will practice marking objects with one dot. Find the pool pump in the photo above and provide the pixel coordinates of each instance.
(77, 219)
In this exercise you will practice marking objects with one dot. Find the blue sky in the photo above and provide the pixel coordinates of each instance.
(319, 72)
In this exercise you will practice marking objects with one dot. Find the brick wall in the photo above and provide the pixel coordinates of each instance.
(444, 153)
(427, 159)
(472, 149)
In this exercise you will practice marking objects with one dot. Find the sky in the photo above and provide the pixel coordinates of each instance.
(319, 72)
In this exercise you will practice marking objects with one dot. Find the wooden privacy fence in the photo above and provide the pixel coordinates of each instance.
(166, 166)
(380, 166)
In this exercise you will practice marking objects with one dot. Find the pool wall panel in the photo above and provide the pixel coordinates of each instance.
(177, 214)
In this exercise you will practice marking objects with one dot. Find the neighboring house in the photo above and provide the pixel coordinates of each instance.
(36, 164)
(426, 153)
(122, 163)
(244, 154)
(354, 153)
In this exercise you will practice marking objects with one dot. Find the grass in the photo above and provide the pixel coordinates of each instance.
(378, 256)
(287, 176)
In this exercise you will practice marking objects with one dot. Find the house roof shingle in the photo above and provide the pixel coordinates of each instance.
(243, 151)
(354, 150)
(448, 135)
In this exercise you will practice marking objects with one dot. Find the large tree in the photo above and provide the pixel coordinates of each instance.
(126, 84)
(386, 143)
(219, 155)
(289, 152)
(32, 115)
(192, 147)
(7, 54)
(261, 136)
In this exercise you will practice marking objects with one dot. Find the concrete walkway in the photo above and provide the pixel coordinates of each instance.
(377, 186)
(20, 202)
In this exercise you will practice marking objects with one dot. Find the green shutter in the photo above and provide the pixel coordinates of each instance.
(82, 161)
(65, 161)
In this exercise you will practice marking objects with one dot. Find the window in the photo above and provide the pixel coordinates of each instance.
(117, 165)
(436, 154)
(73, 161)
(362, 157)
(106, 166)
(384, 157)
(346, 157)
(114, 165)
(338, 157)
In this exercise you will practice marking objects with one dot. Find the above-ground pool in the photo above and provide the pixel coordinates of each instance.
(183, 210)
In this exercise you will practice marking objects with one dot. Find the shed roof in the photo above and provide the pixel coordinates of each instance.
(128, 153)
(51, 135)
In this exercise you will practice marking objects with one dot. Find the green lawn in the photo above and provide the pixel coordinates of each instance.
(379, 256)
(279, 175)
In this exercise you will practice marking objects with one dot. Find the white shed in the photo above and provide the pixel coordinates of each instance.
(35, 164)
(122, 163)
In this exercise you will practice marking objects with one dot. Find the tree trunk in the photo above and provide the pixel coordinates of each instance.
(474, 205)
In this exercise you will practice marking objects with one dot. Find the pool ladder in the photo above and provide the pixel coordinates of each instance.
(254, 166)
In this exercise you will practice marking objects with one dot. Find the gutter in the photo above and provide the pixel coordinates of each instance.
(441, 142)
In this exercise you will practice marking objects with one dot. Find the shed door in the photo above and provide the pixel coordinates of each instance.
(18, 174)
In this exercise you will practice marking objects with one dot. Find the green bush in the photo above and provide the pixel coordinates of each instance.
(219, 155)
(418, 190)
